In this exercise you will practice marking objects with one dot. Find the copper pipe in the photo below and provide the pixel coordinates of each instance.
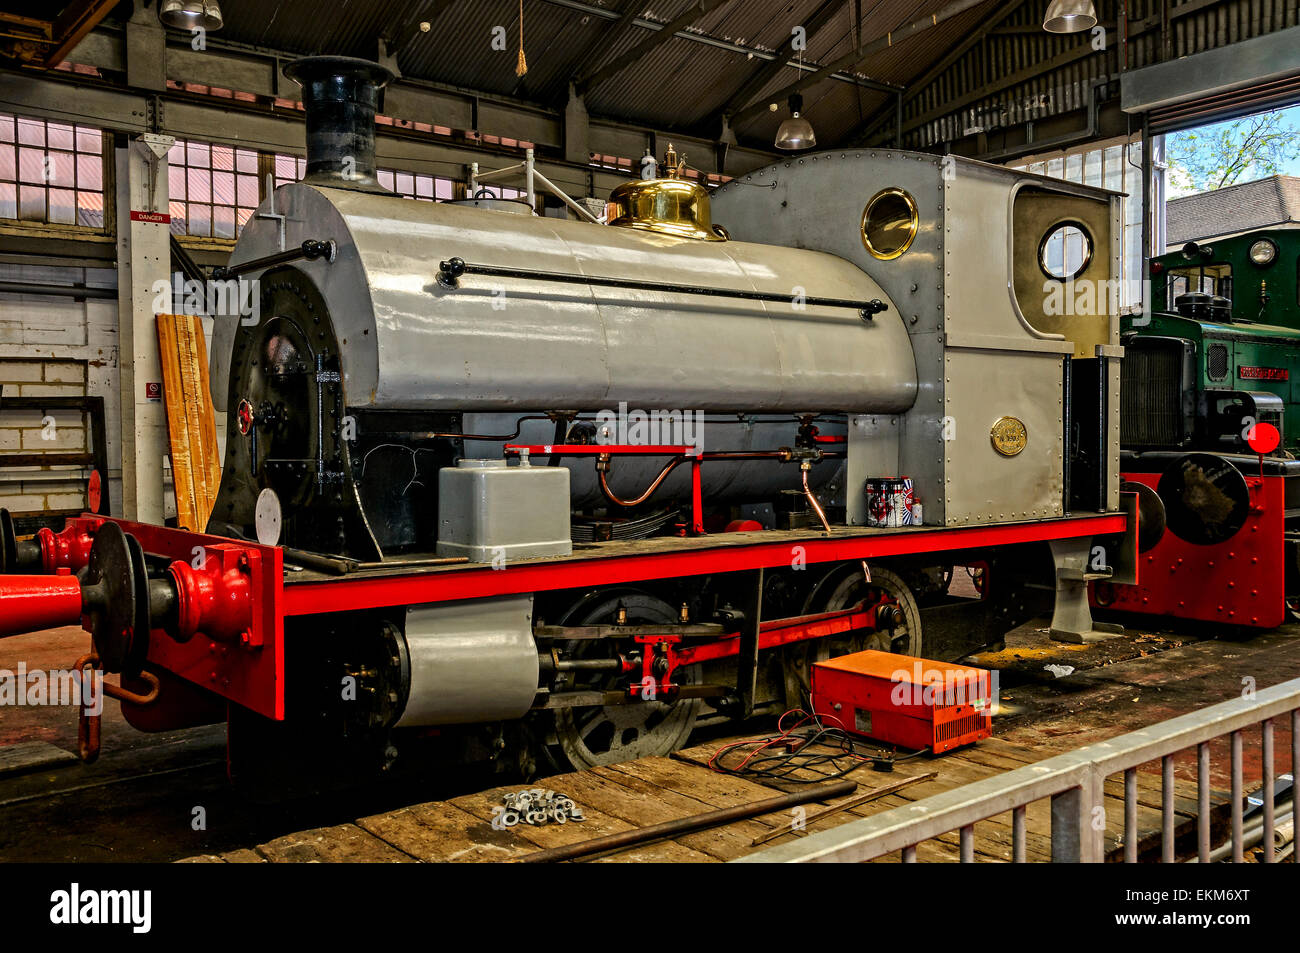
(717, 455)
(663, 475)
(812, 498)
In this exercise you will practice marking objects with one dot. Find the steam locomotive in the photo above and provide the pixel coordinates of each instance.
(1210, 427)
(543, 490)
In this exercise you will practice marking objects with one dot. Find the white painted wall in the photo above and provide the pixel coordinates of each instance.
(57, 346)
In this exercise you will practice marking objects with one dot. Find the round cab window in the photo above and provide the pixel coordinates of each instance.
(1065, 251)
(889, 223)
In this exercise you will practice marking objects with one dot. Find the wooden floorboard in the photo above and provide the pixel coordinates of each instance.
(637, 794)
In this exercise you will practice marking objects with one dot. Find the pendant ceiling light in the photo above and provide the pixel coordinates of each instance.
(1069, 16)
(190, 14)
(796, 132)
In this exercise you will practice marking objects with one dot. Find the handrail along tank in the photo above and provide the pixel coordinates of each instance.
(363, 366)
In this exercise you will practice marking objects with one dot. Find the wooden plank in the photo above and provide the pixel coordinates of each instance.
(642, 805)
(343, 843)
(995, 846)
(191, 421)
(31, 756)
(438, 832)
(597, 823)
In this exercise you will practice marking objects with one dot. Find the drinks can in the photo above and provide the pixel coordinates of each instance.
(889, 502)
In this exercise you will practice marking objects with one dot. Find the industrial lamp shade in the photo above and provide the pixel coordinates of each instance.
(796, 132)
(191, 14)
(1069, 16)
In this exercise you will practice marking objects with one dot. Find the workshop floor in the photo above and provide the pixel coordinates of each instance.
(138, 801)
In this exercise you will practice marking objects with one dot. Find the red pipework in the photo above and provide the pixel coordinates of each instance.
(32, 603)
(69, 549)
(215, 598)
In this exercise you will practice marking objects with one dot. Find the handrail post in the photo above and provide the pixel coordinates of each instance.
(1079, 822)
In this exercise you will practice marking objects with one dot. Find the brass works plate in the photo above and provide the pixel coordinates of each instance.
(1009, 436)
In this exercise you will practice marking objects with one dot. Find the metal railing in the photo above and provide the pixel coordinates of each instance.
(1075, 784)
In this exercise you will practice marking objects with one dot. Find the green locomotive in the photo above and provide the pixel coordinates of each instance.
(1220, 347)
(1217, 354)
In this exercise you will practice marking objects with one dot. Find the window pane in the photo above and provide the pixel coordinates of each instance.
(63, 207)
(1092, 168)
(176, 154)
(90, 209)
(31, 203)
(223, 222)
(6, 128)
(90, 172)
(31, 132)
(198, 155)
(31, 165)
(63, 171)
(246, 193)
(1114, 168)
(200, 220)
(246, 161)
(8, 164)
(8, 200)
(176, 181)
(199, 185)
(223, 158)
(59, 136)
(90, 140)
(223, 188)
(179, 222)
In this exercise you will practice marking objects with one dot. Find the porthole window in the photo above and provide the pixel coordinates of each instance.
(889, 223)
(1065, 251)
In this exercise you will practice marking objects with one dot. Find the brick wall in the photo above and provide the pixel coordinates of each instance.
(57, 346)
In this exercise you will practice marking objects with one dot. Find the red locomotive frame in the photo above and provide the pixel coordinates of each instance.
(1241, 581)
(233, 596)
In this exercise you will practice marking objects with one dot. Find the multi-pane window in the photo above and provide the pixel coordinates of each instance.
(289, 169)
(1117, 167)
(409, 185)
(413, 185)
(501, 192)
(212, 189)
(51, 173)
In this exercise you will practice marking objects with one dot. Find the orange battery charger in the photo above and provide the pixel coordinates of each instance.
(903, 700)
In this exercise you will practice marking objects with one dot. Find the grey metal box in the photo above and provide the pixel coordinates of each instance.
(490, 511)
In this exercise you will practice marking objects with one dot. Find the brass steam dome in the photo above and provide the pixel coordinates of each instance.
(670, 206)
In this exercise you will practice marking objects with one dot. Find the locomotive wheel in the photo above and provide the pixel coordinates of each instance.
(843, 589)
(588, 737)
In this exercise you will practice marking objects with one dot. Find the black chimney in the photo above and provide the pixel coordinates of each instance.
(340, 95)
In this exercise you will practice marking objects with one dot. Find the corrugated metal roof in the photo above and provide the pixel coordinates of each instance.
(679, 85)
